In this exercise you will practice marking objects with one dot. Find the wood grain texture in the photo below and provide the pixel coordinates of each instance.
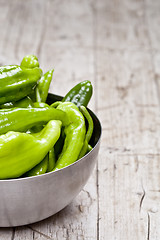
(128, 70)
(115, 44)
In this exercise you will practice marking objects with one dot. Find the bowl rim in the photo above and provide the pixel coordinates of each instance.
(59, 170)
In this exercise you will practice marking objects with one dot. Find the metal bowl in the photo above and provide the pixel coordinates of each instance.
(28, 200)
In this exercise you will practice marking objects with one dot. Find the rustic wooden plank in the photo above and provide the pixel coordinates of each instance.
(113, 43)
(152, 22)
(72, 72)
(21, 29)
(130, 111)
(130, 206)
(69, 24)
(61, 35)
(121, 25)
(7, 233)
(130, 119)
(22, 233)
(130, 116)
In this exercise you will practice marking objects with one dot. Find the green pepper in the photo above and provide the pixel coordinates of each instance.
(40, 105)
(17, 82)
(20, 152)
(23, 103)
(74, 135)
(7, 105)
(22, 119)
(30, 61)
(59, 144)
(79, 94)
(89, 148)
(39, 169)
(46, 165)
(51, 159)
(20, 78)
(43, 86)
(85, 147)
(38, 127)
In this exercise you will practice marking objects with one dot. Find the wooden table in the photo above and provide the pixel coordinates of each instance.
(115, 44)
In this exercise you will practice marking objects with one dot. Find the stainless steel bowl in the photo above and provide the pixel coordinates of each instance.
(28, 200)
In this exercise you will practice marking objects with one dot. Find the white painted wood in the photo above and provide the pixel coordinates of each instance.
(130, 117)
(115, 44)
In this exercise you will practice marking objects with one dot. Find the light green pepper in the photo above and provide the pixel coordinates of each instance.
(39, 169)
(22, 119)
(74, 135)
(20, 152)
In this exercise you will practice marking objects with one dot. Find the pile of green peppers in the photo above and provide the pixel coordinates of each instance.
(36, 138)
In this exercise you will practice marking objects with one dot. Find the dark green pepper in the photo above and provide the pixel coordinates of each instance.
(79, 94)
(86, 145)
(51, 160)
(43, 86)
(23, 103)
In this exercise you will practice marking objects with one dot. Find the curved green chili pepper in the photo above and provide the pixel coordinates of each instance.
(79, 94)
(89, 131)
(43, 86)
(51, 160)
(39, 169)
(59, 144)
(22, 119)
(20, 152)
(74, 135)
(90, 122)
